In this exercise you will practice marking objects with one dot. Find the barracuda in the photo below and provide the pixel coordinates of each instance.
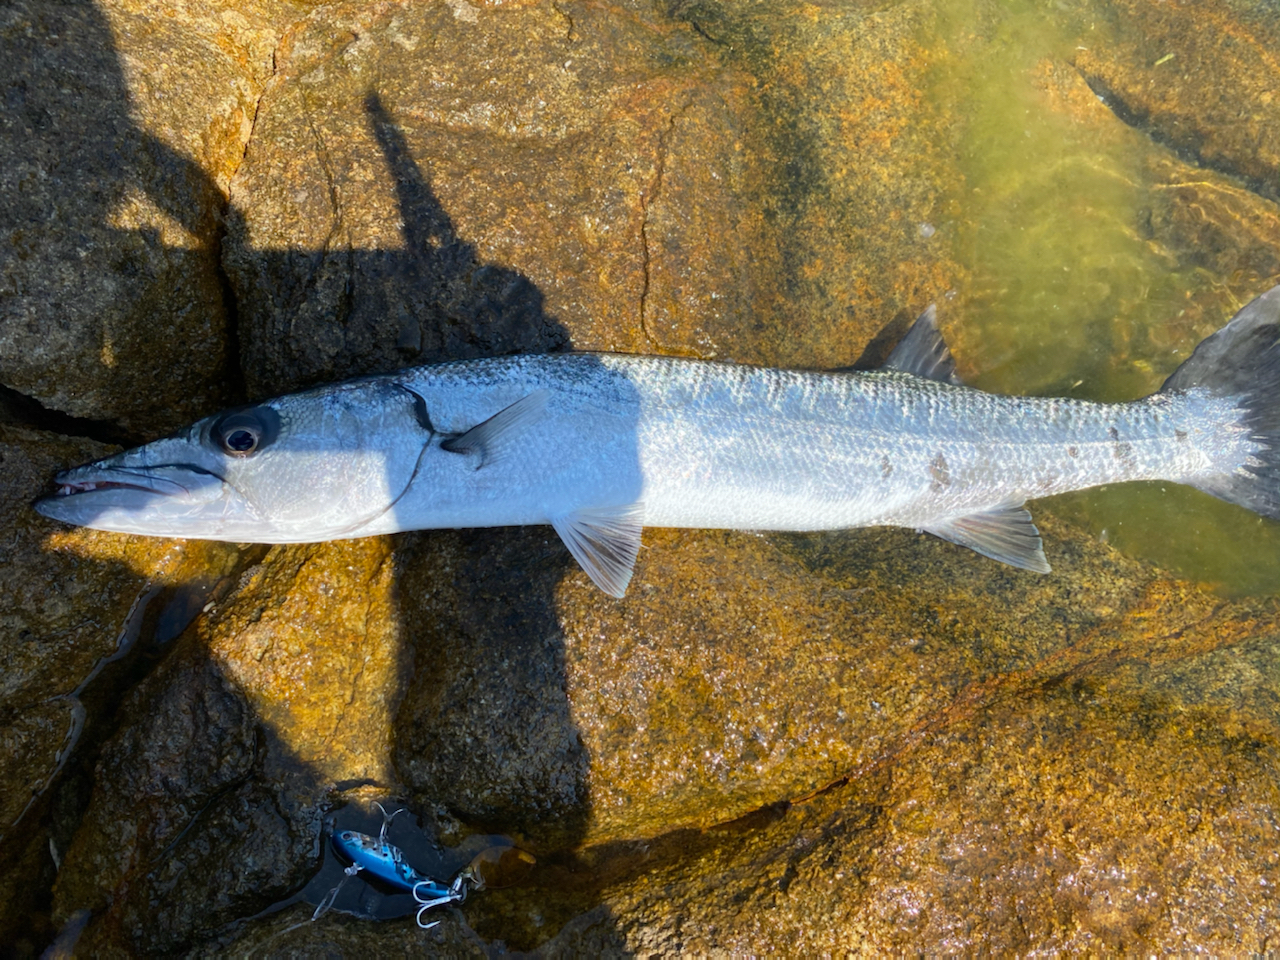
(598, 445)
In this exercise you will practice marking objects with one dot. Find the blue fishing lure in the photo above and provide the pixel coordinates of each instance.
(386, 862)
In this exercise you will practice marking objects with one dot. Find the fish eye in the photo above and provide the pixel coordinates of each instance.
(240, 433)
(241, 440)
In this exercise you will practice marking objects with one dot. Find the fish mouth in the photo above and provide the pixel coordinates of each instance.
(129, 500)
(78, 481)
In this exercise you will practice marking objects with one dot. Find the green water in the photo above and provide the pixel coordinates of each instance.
(1070, 288)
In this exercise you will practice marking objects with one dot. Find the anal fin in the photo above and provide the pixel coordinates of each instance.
(604, 541)
(1005, 533)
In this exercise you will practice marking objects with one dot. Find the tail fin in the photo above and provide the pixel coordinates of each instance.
(1242, 361)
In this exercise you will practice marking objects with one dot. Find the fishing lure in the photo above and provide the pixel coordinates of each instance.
(386, 862)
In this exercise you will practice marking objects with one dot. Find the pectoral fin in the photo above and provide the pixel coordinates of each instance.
(923, 351)
(604, 541)
(1004, 533)
(492, 439)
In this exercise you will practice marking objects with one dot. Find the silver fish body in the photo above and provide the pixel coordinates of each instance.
(598, 445)
(730, 446)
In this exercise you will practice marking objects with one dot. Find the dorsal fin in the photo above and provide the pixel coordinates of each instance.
(923, 351)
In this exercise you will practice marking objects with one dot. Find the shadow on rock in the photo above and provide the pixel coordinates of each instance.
(208, 798)
(106, 229)
(314, 316)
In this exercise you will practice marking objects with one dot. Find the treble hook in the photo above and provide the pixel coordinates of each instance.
(386, 820)
(437, 895)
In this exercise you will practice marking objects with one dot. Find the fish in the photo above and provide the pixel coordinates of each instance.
(600, 445)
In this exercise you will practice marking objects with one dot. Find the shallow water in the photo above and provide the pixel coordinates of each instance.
(1070, 291)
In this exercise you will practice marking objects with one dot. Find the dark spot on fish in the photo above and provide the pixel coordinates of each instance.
(886, 467)
(1180, 434)
(1073, 452)
(1121, 451)
(940, 473)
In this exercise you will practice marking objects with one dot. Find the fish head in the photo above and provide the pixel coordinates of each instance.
(311, 466)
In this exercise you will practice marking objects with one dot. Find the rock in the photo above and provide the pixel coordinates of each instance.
(940, 768)
(774, 743)
(75, 606)
(290, 933)
(1159, 255)
(418, 188)
(1203, 78)
(119, 134)
(285, 657)
(487, 728)
(1128, 812)
(208, 802)
(697, 703)
(174, 807)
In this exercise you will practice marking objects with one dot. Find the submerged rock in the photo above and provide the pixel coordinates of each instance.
(1203, 78)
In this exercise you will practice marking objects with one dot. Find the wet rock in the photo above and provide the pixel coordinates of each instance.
(854, 757)
(165, 785)
(1131, 812)
(773, 742)
(119, 133)
(208, 802)
(72, 602)
(419, 187)
(1199, 77)
(1216, 225)
(486, 729)
(292, 934)
(312, 639)
(700, 699)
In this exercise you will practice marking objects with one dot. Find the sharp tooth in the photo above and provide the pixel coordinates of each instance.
(66, 490)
